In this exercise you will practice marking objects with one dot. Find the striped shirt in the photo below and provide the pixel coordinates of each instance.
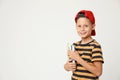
(90, 52)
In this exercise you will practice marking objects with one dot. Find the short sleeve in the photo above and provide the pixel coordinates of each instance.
(97, 55)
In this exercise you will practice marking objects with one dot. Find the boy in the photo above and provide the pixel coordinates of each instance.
(88, 54)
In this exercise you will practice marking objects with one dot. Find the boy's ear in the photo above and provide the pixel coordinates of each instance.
(93, 26)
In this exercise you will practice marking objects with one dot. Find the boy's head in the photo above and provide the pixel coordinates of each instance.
(87, 14)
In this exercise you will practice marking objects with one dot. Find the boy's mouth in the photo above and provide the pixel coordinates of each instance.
(82, 33)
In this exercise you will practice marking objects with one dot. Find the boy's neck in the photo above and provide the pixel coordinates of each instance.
(86, 40)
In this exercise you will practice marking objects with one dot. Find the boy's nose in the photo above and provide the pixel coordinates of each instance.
(82, 28)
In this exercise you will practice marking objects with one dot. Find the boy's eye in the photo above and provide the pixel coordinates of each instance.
(79, 25)
(86, 25)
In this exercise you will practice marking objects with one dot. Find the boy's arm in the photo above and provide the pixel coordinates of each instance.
(95, 67)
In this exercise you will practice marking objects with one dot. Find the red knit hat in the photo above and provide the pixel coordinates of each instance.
(89, 15)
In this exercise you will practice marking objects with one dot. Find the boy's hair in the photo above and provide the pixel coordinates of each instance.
(88, 14)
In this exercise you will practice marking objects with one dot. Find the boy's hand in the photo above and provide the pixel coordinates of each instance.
(69, 66)
(73, 55)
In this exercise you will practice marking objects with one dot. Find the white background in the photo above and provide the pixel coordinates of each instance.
(34, 36)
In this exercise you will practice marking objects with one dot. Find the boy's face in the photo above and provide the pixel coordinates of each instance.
(84, 27)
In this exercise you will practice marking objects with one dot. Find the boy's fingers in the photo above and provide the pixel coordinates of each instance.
(68, 55)
(74, 66)
(73, 70)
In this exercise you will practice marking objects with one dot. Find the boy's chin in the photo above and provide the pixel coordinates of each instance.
(84, 36)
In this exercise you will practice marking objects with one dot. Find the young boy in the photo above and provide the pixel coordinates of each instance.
(88, 54)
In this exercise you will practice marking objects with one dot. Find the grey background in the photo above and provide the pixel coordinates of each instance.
(34, 36)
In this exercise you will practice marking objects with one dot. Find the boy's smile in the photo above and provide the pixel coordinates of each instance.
(84, 27)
